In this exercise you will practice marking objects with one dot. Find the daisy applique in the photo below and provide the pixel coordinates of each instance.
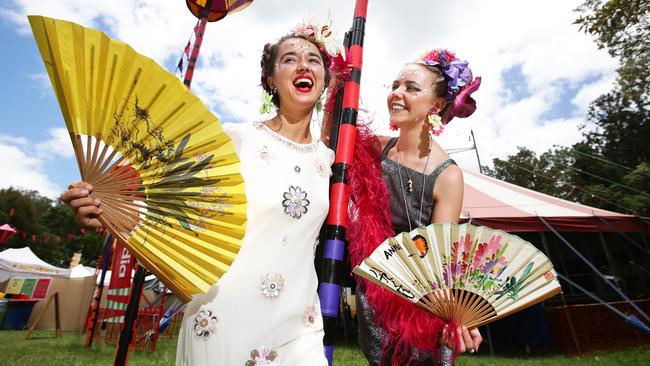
(323, 170)
(263, 356)
(272, 285)
(309, 316)
(295, 202)
(265, 155)
(205, 323)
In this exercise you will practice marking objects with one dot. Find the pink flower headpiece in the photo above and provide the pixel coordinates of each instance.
(321, 35)
(460, 82)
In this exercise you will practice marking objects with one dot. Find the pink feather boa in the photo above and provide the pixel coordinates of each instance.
(407, 325)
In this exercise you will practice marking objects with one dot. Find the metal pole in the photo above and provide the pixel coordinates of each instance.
(489, 337)
(480, 167)
(576, 342)
(613, 268)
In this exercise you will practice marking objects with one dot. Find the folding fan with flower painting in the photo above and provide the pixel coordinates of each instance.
(463, 274)
(166, 173)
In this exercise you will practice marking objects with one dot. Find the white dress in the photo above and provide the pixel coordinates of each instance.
(265, 309)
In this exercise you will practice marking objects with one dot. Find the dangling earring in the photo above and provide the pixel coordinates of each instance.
(319, 103)
(267, 101)
(434, 123)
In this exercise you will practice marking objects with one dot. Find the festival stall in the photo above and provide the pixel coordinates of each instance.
(22, 271)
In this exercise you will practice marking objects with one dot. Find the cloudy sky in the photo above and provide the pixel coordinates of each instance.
(539, 72)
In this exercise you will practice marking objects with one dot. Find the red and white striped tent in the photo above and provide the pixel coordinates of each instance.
(501, 205)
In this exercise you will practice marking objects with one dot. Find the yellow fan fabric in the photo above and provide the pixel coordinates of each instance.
(464, 274)
(165, 171)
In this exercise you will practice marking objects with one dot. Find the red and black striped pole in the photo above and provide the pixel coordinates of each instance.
(342, 140)
(198, 40)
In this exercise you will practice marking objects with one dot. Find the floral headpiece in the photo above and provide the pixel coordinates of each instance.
(321, 35)
(455, 71)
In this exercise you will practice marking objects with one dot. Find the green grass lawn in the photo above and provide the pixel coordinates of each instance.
(44, 350)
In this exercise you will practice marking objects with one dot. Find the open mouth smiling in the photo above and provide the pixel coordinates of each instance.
(303, 83)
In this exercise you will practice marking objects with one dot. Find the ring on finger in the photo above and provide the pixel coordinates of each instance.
(472, 350)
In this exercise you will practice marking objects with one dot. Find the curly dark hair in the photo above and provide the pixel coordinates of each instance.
(269, 55)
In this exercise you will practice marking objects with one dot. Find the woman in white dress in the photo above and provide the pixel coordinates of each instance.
(265, 309)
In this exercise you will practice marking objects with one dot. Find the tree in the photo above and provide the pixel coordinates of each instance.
(549, 173)
(623, 28)
(53, 225)
(28, 207)
(622, 115)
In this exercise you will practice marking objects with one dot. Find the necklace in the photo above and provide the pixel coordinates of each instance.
(409, 183)
(410, 186)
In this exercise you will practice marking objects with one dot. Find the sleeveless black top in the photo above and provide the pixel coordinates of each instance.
(370, 335)
(399, 191)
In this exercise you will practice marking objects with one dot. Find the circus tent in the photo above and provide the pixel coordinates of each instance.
(501, 205)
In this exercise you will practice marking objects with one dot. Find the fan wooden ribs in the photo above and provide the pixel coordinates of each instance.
(463, 274)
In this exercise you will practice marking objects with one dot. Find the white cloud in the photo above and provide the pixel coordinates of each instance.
(58, 145)
(12, 140)
(494, 36)
(42, 83)
(591, 91)
(23, 162)
(21, 170)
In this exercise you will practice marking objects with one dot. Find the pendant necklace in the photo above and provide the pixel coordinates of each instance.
(410, 186)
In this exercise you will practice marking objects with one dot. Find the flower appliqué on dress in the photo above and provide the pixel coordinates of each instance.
(272, 285)
(205, 323)
(322, 169)
(309, 317)
(263, 356)
(265, 154)
(295, 202)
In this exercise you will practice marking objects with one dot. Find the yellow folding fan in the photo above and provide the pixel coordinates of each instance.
(166, 173)
(462, 273)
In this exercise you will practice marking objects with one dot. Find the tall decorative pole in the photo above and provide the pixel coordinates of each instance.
(198, 40)
(342, 140)
(207, 11)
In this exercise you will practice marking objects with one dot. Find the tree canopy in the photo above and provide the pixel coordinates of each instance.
(47, 227)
